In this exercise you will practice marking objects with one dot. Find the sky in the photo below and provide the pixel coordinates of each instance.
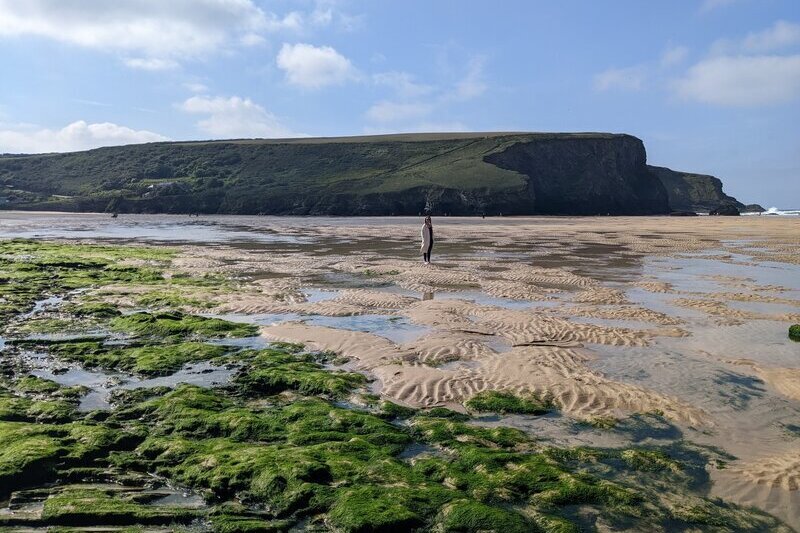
(710, 86)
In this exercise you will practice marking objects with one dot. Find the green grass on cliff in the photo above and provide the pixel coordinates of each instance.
(349, 175)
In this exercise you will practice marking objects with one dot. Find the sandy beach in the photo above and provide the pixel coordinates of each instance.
(608, 318)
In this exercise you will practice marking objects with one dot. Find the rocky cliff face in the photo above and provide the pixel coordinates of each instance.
(457, 174)
(594, 176)
(693, 192)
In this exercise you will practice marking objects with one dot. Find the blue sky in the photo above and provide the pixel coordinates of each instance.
(711, 86)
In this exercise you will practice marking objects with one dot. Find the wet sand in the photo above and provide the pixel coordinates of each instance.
(607, 317)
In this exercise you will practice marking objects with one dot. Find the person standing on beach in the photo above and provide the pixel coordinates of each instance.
(427, 240)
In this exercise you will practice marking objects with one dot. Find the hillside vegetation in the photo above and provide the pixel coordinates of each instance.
(459, 174)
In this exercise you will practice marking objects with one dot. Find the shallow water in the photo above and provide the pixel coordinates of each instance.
(101, 384)
(172, 229)
(397, 329)
(750, 417)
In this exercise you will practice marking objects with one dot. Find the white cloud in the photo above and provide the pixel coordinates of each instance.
(473, 84)
(742, 80)
(781, 35)
(292, 21)
(235, 117)
(625, 79)
(674, 55)
(154, 32)
(152, 63)
(78, 135)
(252, 39)
(402, 83)
(416, 106)
(397, 111)
(322, 16)
(314, 66)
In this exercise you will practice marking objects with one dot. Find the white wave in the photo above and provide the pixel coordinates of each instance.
(778, 212)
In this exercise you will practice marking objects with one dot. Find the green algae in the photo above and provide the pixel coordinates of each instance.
(602, 422)
(93, 309)
(247, 523)
(148, 360)
(84, 506)
(468, 516)
(648, 459)
(34, 399)
(176, 323)
(36, 385)
(29, 454)
(21, 409)
(506, 403)
(272, 371)
(31, 270)
(378, 508)
(32, 453)
(444, 412)
(794, 332)
(393, 410)
(274, 441)
(455, 432)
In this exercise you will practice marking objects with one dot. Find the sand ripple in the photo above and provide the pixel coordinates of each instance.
(559, 373)
(778, 471)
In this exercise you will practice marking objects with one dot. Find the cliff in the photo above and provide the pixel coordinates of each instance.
(457, 174)
(693, 192)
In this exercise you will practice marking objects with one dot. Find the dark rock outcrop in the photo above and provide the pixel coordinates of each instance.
(725, 210)
(753, 208)
(596, 176)
(457, 174)
(693, 192)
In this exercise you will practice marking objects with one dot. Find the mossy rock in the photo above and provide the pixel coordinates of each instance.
(392, 410)
(148, 360)
(794, 332)
(29, 454)
(506, 403)
(94, 309)
(272, 371)
(166, 324)
(231, 523)
(443, 412)
(369, 509)
(467, 516)
(88, 506)
(36, 385)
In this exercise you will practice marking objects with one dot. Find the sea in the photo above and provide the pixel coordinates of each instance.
(774, 211)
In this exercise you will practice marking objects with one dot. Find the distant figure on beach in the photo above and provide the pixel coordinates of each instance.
(427, 240)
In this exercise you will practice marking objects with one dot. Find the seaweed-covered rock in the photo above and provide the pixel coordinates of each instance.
(88, 506)
(275, 370)
(466, 516)
(794, 332)
(176, 323)
(148, 360)
(506, 403)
